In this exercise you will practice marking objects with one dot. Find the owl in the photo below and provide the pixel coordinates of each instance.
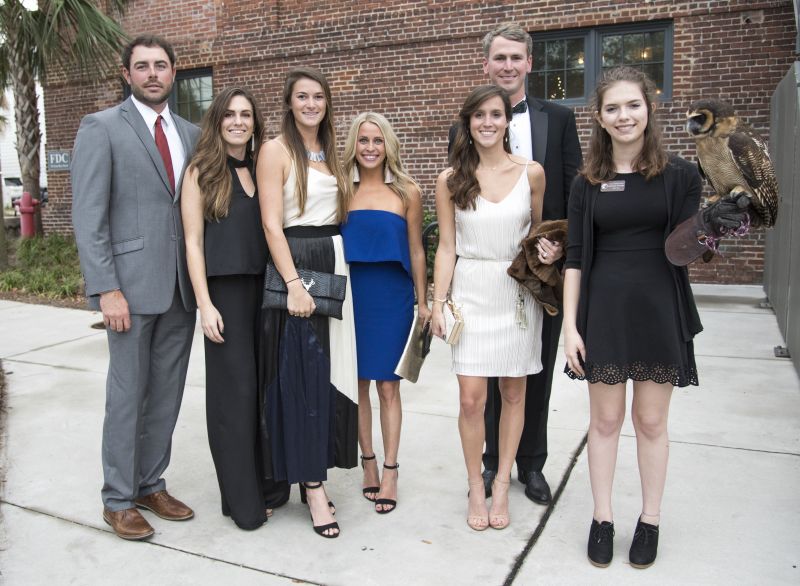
(735, 159)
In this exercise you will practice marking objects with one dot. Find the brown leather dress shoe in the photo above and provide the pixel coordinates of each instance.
(128, 524)
(165, 506)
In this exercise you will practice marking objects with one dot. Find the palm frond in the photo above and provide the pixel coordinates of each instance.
(76, 32)
(20, 31)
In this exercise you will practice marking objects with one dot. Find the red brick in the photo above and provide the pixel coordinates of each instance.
(415, 60)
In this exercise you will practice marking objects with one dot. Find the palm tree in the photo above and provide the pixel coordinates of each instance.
(65, 35)
(3, 245)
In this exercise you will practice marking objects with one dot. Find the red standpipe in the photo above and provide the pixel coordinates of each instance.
(27, 213)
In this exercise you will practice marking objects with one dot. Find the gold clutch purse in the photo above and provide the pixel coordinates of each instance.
(417, 348)
(453, 322)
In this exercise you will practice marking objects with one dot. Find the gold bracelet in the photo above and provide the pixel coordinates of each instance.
(439, 300)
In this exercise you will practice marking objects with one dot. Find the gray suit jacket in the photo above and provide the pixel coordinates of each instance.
(127, 222)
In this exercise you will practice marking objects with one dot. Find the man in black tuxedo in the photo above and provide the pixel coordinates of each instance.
(546, 133)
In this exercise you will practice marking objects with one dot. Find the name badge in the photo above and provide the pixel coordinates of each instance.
(618, 185)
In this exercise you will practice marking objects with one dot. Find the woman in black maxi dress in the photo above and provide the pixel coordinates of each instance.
(628, 313)
(226, 254)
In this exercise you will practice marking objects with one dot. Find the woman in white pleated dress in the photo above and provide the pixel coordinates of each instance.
(485, 203)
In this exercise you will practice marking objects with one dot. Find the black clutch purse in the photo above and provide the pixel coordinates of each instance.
(328, 290)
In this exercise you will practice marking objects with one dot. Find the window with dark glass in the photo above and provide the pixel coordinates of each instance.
(558, 69)
(567, 64)
(192, 94)
(643, 51)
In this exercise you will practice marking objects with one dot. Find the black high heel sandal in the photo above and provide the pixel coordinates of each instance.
(369, 491)
(384, 502)
(304, 499)
(318, 529)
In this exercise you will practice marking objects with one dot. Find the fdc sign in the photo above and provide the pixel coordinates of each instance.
(58, 160)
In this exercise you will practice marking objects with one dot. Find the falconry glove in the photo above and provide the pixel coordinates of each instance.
(699, 235)
(726, 216)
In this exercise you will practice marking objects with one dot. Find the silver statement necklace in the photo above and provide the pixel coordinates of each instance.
(318, 157)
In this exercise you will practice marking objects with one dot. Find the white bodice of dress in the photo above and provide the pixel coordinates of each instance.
(493, 231)
(321, 202)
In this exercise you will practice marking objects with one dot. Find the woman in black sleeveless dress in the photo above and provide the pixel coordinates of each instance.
(226, 254)
(628, 313)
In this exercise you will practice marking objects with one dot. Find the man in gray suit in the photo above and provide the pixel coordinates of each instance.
(127, 163)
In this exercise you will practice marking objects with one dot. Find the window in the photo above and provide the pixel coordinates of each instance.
(558, 69)
(567, 64)
(192, 94)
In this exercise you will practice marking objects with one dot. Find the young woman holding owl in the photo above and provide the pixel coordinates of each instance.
(628, 313)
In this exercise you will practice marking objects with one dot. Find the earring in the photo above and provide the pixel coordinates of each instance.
(470, 139)
(252, 143)
(356, 174)
(505, 137)
(388, 176)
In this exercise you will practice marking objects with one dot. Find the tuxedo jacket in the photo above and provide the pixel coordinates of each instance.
(554, 138)
(126, 218)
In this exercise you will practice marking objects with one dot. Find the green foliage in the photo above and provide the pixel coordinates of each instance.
(45, 266)
(59, 32)
(433, 241)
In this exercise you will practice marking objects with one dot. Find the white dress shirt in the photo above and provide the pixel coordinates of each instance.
(176, 152)
(520, 134)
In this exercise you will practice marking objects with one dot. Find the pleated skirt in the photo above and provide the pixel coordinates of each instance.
(495, 341)
(303, 453)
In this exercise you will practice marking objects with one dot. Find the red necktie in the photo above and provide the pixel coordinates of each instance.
(163, 147)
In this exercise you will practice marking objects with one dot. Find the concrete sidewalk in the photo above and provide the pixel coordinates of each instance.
(730, 515)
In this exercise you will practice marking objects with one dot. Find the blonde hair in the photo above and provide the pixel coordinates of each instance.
(402, 182)
(511, 31)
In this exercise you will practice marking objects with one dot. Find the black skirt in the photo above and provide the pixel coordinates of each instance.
(633, 328)
(308, 424)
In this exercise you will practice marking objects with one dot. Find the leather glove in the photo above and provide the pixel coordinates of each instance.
(726, 215)
(699, 235)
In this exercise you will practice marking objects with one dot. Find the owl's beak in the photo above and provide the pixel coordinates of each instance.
(694, 125)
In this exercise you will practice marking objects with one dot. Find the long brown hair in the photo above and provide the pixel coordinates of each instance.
(462, 182)
(402, 182)
(211, 157)
(652, 160)
(326, 135)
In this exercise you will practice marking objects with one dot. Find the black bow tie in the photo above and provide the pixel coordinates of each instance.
(520, 108)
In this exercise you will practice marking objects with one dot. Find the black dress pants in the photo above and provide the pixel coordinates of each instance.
(532, 451)
(232, 399)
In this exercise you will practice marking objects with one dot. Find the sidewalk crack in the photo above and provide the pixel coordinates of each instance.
(53, 345)
(520, 560)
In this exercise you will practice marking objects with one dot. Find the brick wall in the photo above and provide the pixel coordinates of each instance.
(415, 61)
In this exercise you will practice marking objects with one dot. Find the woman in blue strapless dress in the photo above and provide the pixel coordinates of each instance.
(383, 246)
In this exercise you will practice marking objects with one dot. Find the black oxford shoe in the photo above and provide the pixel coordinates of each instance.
(536, 487)
(644, 546)
(601, 543)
